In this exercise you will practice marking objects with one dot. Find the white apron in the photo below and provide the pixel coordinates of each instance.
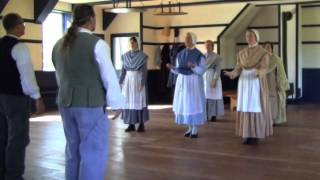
(134, 98)
(188, 95)
(249, 92)
(212, 93)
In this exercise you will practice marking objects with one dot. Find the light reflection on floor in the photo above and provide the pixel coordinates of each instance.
(53, 117)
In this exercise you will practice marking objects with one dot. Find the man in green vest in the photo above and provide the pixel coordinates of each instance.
(87, 84)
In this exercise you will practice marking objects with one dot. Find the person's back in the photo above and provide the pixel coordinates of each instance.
(9, 74)
(18, 83)
(80, 81)
(87, 83)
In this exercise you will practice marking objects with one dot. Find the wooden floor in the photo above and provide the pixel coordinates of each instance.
(162, 153)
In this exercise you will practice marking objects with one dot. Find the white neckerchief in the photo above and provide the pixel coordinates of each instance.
(254, 45)
(85, 30)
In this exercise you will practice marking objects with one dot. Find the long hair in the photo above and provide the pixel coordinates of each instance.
(81, 15)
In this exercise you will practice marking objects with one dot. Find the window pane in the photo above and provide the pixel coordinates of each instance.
(52, 32)
(121, 45)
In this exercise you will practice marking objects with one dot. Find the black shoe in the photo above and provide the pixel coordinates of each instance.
(187, 134)
(245, 140)
(130, 128)
(254, 141)
(213, 119)
(194, 136)
(141, 128)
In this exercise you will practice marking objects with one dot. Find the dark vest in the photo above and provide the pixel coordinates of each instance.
(10, 82)
(80, 81)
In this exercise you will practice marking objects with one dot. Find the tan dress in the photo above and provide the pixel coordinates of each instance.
(258, 122)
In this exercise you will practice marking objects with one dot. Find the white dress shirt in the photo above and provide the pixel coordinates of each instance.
(114, 97)
(21, 55)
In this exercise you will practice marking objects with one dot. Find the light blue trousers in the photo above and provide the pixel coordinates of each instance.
(86, 131)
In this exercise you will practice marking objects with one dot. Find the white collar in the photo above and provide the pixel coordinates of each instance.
(254, 45)
(11, 35)
(191, 48)
(85, 30)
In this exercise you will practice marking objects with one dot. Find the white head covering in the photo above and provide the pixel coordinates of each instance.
(193, 37)
(256, 32)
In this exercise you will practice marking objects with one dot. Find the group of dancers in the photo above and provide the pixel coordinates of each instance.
(198, 95)
(88, 82)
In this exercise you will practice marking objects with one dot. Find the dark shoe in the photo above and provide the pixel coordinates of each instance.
(245, 141)
(254, 141)
(130, 128)
(187, 134)
(194, 136)
(213, 119)
(141, 128)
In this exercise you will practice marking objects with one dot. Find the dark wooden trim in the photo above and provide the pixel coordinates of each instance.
(141, 30)
(107, 18)
(311, 6)
(279, 30)
(25, 20)
(120, 35)
(311, 25)
(169, 43)
(311, 42)
(208, 2)
(232, 21)
(289, 3)
(187, 26)
(3, 4)
(297, 90)
(34, 41)
(42, 8)
(263, 27)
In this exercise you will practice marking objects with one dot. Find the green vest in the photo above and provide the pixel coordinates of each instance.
(78, 72)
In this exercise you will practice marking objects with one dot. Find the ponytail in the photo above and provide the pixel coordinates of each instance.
(81, 15)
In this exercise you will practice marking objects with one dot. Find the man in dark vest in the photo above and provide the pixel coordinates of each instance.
(87, 83)
(17, 84)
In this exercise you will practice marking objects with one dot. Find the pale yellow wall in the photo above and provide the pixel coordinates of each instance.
(197, 15)
(123, 23)
(204, 14)
(33, 31)
(98, 12)
(310, 52)
(22, 7)
(62, 6)
(311, 15)
(267, 16)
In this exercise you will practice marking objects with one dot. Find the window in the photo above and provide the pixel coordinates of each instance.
(119, 45)
(53, 29)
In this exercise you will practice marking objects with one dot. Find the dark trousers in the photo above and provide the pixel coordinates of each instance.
(14, 135)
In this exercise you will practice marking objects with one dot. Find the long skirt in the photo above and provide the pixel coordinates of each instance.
(254, 114)
(214, 96)
(189, 100)
(136, 110)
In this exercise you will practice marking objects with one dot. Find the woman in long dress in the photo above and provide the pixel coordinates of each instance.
(278, 84)
(133, 80)
(253, 121)
(189, 99)
(213, 85)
